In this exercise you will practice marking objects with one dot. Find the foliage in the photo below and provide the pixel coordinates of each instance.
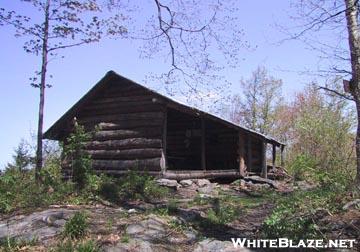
(255, 109)
(71, 246)
(75, 154)
(294, 216)
(76, 226)
(140, 186)
(12, 244)
(88, 246)
(221, 212)
(19, 190)
(22, 157)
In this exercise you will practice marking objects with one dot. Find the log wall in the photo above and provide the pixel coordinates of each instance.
(129, 124)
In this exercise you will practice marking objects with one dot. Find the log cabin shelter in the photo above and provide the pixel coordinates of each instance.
(138, 128)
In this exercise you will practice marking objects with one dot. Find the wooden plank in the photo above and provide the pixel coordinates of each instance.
(203, 145)
(163, 162)
(124, 134)
(131, 143)
(141, 164)
(126, 124)
(241, 147)
(249, 154)
(195, 174)
(263, 160)
(110, 118)
(274, 156)
(282, 157)
(125, 154)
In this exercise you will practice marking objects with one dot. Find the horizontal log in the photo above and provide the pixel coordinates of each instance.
(125, 124)
(119, 173)
(125, 154)
(110, 118)
(141, 164)
(124, 134)
(192, 174)
(116, 104)
(130, 143)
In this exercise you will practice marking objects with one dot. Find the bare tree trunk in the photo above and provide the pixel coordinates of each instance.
(39, 151)
(354, 46)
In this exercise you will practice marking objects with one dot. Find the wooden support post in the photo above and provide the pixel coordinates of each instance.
(203, 144)
(163, 160)
(249, 154)
(274, 156)
(263, 160)
(242, 168)
(282, 158)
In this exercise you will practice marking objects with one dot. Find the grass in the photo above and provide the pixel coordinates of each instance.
(10, 244)
(76, 226)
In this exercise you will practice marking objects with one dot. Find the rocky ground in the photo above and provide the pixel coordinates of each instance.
(178, 223)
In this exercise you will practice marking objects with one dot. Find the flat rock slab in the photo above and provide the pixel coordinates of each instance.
(150, 229)
(39, 225)
(132, 245)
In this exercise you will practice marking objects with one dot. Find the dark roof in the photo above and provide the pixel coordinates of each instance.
(53, 131)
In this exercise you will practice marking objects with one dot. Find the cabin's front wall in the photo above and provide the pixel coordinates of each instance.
(128, 124)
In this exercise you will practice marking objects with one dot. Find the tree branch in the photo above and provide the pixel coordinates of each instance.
(336, 93)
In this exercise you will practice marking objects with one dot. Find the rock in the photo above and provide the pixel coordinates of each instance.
(207, 189)
(168, 183)
(186, 182)
(153, 228)
(202, 182)
(190, 236)
(352, 204)
(257, 179)
(38, 225)
(132, 245)
(132, 210)
(217, 246)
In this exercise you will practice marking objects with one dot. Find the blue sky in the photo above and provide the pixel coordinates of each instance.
(82, 67)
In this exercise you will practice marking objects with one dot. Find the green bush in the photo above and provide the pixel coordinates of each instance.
(79, 160)
(19, 190)
(76, 226)
(294, 216)
(222, 215)
(141, 186)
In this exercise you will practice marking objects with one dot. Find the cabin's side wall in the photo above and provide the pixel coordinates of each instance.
(128, 124)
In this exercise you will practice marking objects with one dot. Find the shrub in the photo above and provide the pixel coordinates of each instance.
(141, 186)
(223, 215)
(76, 226)
(75, 154)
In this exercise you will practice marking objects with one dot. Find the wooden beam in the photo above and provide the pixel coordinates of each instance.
(249, 154)
(282, 158)
(163, 160)
(273, 156)
(242, 167)
(192, 174)
(203, 144)
(263, 160)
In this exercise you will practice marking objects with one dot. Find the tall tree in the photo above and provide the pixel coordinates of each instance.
(341, 17)
(261, 94)
(64, 24)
